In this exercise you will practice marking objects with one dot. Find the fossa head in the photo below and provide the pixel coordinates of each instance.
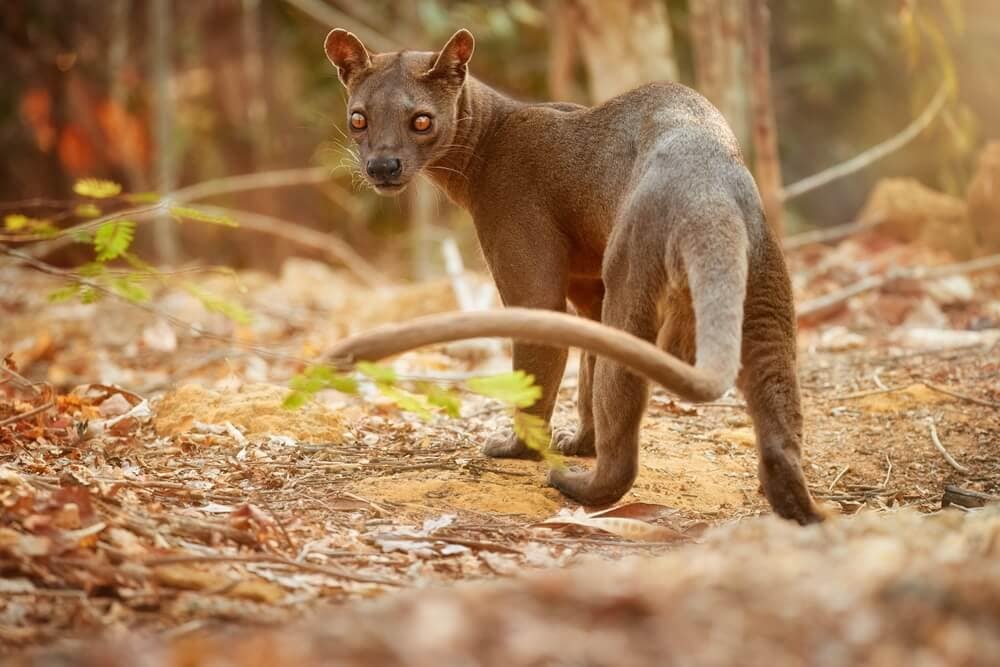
(402, 107)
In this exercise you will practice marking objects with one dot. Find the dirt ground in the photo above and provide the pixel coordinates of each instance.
(167, 491)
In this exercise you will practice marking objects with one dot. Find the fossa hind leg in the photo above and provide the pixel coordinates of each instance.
(619, 396)
(769, 384)
(587, 297)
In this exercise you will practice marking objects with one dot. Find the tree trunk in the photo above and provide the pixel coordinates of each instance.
(624, 44)
(767, 164)
(562, 52)
(164, 230)
(719, 51)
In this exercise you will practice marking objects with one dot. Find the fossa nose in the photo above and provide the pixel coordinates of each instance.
(384, 169)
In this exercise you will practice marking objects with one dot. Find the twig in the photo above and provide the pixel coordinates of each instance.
(333, 247)
(932, 387)
(211, 188)
(833, 233)
(30, 413)
(65, 236)
(276, 560)
(281, 526)
(944, 452)
(877, 380)
(836, 479)
(23, 381)
(964, 397)
(869, 283)
(473, 544)
(888, 472)
(226, 185)
(329, 16)
(876, 152)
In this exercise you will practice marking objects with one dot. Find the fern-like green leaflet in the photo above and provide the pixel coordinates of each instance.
(113, 238)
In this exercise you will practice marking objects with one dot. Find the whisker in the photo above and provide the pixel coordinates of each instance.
(341, 132)
(449, 169)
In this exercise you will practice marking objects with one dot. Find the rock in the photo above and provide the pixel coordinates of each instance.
(840, 339)
(926, 315)
(917, 338)
(913, 213)
(951, 290)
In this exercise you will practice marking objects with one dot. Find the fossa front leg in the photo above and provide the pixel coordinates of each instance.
(546, 364)
(530, 278)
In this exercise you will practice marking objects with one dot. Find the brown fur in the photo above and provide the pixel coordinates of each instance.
(639, 212)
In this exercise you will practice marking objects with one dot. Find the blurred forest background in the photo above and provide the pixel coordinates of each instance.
(161, 94)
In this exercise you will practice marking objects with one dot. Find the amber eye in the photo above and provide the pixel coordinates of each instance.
(422, 123)
(358, 121)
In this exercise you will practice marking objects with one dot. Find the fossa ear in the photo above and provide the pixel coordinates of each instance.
(347, 53)
(453, 61)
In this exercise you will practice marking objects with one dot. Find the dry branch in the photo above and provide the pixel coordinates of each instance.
(331, 246)
(827, 234)
(281, 178)
(30, 413)
(331, 17)
(873, 154)
(964, 397)
(334, 248)
(869, 283)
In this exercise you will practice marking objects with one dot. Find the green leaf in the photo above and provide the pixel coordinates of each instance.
(333, 380)
(96, 188)
(15, 222)
(377, 372)
(84, 236)
(516, 388)
(92, 269)
(143, 198)
(138, 263)
(181, 213)
(64, 293)
(113, 238)
(89, 295)
(534, 432)
(305, 385)
(43, 228)
(295, 400)
(414, 403)
(130, 288)
(87, 210)
(448, 400)
(213, 303)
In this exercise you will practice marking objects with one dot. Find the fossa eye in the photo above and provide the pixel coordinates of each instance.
(358, 121)
(421, 123)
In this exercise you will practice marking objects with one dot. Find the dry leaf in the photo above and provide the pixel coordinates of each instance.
(630, 529)
(257, 590)
(636, 511)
